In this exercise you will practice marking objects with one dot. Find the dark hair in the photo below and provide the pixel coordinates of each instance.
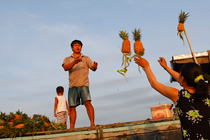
(76, 41)
(190, 71)
(59, 89)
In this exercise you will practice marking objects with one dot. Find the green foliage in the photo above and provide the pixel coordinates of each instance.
(123, 35)
(3, 116)
(183, 17)
(11, 116)
(136, 34)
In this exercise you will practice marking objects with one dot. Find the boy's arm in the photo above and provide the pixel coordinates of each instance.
(55, 107)
(67, 106)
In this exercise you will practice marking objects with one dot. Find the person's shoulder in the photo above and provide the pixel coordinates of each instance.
(86, 57)
(63, 97)
(69, 57)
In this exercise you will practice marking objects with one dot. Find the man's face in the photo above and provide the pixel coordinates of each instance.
(76, 48)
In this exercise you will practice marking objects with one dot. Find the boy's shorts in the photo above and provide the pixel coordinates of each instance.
(78, 95)
(62, 117)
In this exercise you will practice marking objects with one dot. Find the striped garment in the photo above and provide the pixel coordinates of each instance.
(62, 117)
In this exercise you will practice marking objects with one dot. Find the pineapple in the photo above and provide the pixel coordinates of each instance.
(182, 18)
(126, 45)
(138, 46)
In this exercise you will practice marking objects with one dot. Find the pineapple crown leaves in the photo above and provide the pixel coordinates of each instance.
(183, 17)
(124, 35)
(136, 34)
(19, 112)
(11, 116)
(3, 116)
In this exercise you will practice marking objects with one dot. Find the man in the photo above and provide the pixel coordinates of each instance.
(78, 66)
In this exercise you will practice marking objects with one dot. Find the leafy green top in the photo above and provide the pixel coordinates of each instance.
(183, 17)
(137, 35)
(123, 35)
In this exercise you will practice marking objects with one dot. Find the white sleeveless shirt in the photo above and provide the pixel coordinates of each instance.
(61, 104)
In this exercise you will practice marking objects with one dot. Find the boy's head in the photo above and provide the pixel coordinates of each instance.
(76, 41)
(59, 89)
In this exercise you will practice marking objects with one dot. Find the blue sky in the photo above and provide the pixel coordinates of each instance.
(35, 37)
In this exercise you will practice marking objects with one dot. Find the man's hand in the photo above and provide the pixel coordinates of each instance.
(95, 66)
(70, 65)
(77, 60)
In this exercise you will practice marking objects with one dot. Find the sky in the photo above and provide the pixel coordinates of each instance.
(35, 37)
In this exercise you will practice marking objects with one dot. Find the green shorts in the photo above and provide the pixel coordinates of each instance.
(78, 95)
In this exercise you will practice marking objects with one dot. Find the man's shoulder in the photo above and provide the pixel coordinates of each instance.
(68, 57)
(85, 56)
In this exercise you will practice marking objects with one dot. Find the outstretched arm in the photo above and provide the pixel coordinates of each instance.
(173, 73)
(169, 92)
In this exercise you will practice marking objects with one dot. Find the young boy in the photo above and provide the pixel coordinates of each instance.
(61, 106)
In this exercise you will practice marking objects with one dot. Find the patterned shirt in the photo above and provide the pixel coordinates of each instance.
(194, 116)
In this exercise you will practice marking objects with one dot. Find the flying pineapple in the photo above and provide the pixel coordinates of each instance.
(126, 50)
(182, 18)
(126, 45)
(138, 46)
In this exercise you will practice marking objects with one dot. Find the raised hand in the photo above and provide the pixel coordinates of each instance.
(162, 62)
(95, 66)
(141, 61)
